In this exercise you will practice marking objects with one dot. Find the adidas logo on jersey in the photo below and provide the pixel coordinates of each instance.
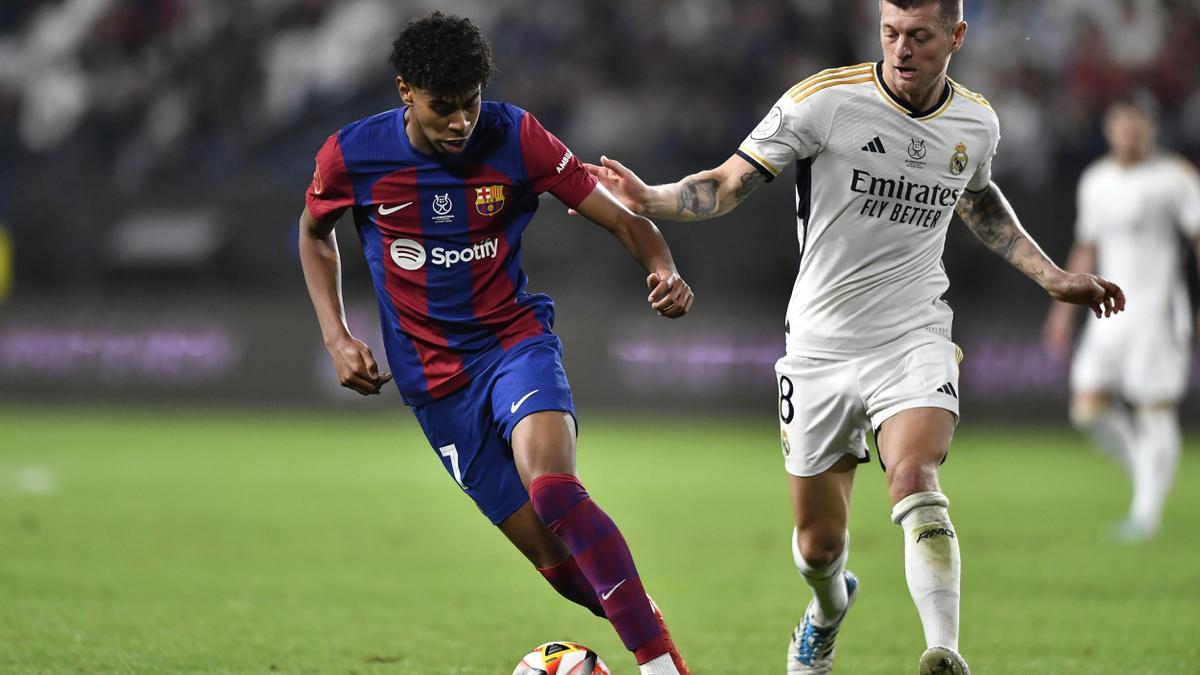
(947, 389)
(875, 145)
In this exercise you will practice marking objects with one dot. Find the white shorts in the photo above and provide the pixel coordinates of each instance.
(827, 406)
(1142, 365)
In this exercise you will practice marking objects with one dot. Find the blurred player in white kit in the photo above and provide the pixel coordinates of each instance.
(1128, 376)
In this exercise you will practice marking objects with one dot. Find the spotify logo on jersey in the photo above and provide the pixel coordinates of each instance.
(408, 254)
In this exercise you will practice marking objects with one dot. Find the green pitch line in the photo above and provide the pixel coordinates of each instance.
(152, 542)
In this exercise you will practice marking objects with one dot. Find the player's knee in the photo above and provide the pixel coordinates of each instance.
(1086, 409)
(817, 548)
(911, 475)
(1083, 415)
(1159, 422)
(542, 444)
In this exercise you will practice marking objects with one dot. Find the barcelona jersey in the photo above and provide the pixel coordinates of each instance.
(442, 237)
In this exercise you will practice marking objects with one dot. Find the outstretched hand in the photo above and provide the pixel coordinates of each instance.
(670, 295)
(624, 184)
(356, 367)
(1103, 296)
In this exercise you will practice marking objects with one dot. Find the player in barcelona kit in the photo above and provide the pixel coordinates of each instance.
(441, 191)
(885, 153)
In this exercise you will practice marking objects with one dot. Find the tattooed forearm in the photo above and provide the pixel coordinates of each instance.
(750, 181)
(706, 194)
(698, 196)
(993, 222)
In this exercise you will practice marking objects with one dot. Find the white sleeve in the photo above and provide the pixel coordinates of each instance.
(983, 173)
(1085, 206)
(790, 131)
(982, 177)
(1189, 200)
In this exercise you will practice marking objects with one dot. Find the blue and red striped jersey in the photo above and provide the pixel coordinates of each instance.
(442, 237)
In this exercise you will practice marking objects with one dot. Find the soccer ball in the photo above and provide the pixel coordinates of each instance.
(561, 658)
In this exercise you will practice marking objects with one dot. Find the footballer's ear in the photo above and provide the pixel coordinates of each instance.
(958, 36)
(405, 90)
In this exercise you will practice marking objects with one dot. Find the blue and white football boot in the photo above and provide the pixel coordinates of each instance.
(811, 648)
(943, 661)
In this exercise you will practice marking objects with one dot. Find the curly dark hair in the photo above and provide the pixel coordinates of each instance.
(444, 54)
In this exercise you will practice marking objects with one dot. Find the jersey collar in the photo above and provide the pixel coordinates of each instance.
(903, 106)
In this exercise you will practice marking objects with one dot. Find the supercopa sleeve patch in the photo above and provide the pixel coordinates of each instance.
(769, 126)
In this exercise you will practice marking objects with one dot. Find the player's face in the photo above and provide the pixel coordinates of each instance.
(441, 123)
(916, 49)
(1129, 131)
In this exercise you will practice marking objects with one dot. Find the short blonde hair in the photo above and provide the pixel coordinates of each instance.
(949, 11)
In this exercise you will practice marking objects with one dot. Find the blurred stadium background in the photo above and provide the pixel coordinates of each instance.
(153, 159)
(154, 154)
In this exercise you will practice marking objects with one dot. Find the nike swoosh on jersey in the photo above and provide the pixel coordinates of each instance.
(384, 211)
(524, 398)
(605, 596)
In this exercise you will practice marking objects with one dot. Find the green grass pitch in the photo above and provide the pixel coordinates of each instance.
(165, 542)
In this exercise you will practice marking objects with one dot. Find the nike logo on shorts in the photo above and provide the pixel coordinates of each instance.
(524, 398)
(605, 596)
(384, 211)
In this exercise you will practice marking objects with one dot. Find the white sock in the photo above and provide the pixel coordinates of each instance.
(828, 587)
(1154, 462)
(931, 564)
(659, 665)
(1113, 430)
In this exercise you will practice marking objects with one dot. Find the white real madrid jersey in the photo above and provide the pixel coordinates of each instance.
(1134, 216)
(876, 184)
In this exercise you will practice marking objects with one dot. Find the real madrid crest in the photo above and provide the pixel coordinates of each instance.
(489, 199)
(958, 163)
(787, 447)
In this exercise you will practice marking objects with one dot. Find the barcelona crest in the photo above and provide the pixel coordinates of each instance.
(958, 163)
(489, 199)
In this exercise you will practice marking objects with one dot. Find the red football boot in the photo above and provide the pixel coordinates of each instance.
(676, 657)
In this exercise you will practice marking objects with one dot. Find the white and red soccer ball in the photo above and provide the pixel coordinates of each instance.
(561, 658)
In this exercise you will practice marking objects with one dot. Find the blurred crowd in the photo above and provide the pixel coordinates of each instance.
(116, 99)
(140, 85)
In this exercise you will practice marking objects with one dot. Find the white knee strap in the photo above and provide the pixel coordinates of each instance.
(916, 501)
(1160, 422)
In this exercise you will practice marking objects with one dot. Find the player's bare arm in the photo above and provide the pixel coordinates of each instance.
(356, 366)
(990, 217)
(1059, 328)
(700, 196)
(670, 295)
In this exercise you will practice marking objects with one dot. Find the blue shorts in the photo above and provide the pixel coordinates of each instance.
(471, 429)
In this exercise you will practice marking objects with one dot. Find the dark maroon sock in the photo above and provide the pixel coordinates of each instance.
(568, 580)
(603, 556)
